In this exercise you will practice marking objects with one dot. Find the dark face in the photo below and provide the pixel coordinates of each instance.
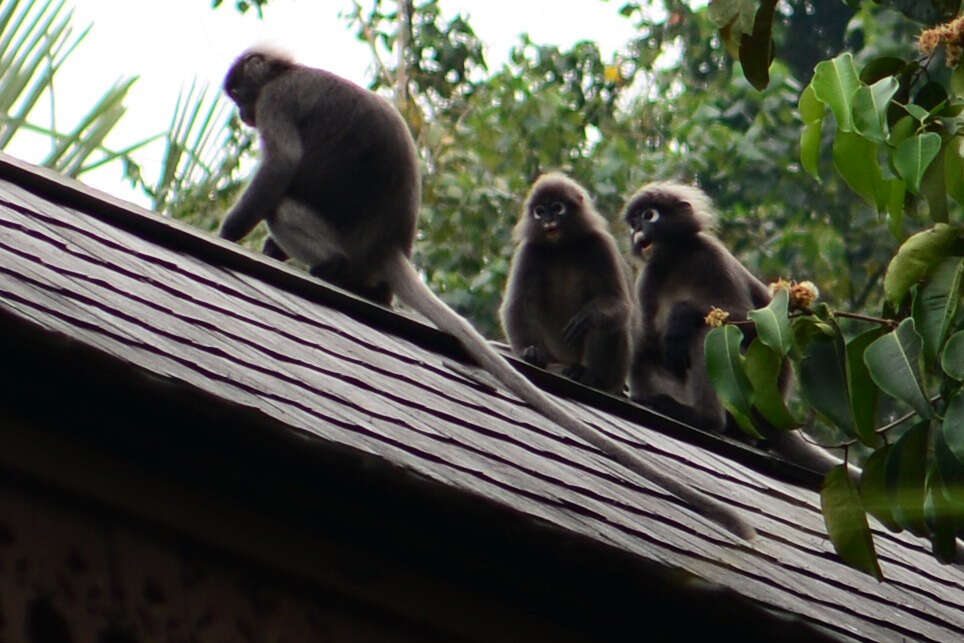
(247, 76)
(242, 93)
(659, 218)
(644, 219)
(551, 214)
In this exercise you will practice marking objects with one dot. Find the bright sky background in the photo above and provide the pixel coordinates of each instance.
(169, 44)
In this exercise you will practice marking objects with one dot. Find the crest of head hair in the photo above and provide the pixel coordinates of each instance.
(674, 193)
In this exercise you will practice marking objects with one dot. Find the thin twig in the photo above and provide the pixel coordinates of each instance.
(842, 445)
(867, 318)
(902, 419)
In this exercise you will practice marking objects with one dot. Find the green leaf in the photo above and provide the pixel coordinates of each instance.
(919, 113)
(863, 392)
(738, 14)
(847, 523)
(950, 459)
(822, 378)
(896, 192)
(894, 363)
(940, 516)
(902, 130)
(954, 168)
(870, 108)
(936, 304)
(763, 366)
(879, 68)
(811, 109)
(724, 366)
(834, 83)
(812, 113)
(952, 359)
(916, 257)
(756, 48)
(933, 188)
(855, 159)
(914, 155)
(905, 471)
(928, 12)
(957, 81)
(873, 488)
(772, 323)
(932, 97)
(952, 428)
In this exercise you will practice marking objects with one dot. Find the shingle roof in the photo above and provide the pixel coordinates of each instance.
(176, 303)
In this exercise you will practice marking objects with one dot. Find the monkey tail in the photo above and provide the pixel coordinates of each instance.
(409, 287)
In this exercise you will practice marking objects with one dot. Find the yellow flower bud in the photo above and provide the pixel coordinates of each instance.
(716, 317)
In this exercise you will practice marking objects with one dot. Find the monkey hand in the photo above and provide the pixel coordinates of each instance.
(578, 326)
(232, 229)
(535, 355)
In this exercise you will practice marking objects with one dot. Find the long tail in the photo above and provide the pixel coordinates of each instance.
(409, 287)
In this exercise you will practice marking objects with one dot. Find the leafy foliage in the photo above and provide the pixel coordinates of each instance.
(894, 139)
(35, 41)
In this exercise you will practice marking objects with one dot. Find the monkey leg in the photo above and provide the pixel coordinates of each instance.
(701, 395)
(685, 323)
(273, 250)
(535, 355)
(605, 360)
(338, 271)
(666, 405)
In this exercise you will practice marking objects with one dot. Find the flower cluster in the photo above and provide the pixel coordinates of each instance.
(716, 317)
(950, 34)
(802, 294)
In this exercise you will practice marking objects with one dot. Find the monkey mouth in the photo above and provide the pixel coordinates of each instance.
(551, 231)
(641, 242)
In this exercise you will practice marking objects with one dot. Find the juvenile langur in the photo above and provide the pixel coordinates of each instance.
(686, 271)
(339, 188)
(567, 299)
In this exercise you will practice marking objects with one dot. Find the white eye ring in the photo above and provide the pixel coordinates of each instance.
(539, 211)
(651, 215)
(558, 208)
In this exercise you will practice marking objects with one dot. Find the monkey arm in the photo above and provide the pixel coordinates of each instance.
(281, 153)
(522, 334)
(517, 319)
(684, 323)
(604, 313)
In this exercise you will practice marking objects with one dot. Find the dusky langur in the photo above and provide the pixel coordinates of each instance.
(339, 187)
(685, 271)
(567, 300)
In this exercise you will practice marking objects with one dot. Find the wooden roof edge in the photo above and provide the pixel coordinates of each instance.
(182, 237)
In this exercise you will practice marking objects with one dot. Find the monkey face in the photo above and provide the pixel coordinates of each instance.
(644, 228)
(549, 216)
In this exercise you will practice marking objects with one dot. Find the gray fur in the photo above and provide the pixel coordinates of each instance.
(685, 272)
(567, 299)
(336, 152)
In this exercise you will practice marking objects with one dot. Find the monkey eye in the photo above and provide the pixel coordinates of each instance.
(539, 211)
(651, 215)
(558, 208)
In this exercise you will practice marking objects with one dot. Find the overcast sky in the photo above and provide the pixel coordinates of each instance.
(168, 44)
